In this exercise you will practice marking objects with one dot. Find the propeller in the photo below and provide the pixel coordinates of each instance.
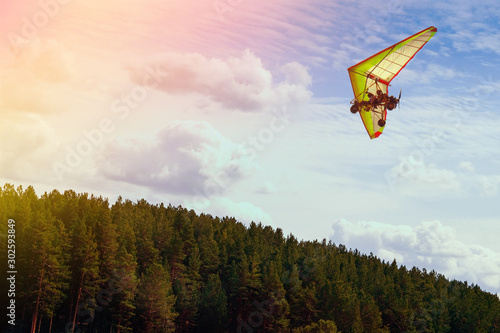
(399, 98)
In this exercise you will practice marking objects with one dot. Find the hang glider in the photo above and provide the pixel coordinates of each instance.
(371, 77)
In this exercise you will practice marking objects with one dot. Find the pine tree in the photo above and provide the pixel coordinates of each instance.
(209, 249)
(213, 306)
(124, 278)
(163, 229)
(49, 273)
(187, 287)
(106, 237)
(295, 295)
(250, 293)
(143, 223)
(155, 300)
(347, 308)
(371, 317)
(231, 281)
(124, 283)
(85, 274)
(275, 308)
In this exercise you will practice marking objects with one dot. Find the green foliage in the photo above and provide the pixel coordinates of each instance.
(213, 306)
(155, 300)
(322, 326)
(137, 267)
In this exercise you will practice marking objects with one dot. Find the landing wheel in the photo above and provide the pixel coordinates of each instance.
(354, 108)
(391, 106)
(381, 122)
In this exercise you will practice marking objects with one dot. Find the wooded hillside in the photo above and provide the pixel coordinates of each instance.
(86, 264)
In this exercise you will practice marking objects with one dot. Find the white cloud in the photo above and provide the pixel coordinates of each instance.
(267, 188)
(480, 38)
(413, 177)
(48, 60)
(236, 83)
(489, 184)
(27, 144)
(187, 157)
(243, 211)
(430, 245)
(466, 166)
(34, 80)
(296, 74)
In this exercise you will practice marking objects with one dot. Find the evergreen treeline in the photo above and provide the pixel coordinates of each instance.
(85, 266)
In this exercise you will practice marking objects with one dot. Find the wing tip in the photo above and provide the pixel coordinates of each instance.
(375, 134)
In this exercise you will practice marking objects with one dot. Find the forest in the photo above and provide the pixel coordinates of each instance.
(83, 264)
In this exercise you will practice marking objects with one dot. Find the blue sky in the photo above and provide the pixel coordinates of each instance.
(241, 108)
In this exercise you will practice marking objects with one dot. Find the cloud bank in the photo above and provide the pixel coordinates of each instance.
(183, 158)
(240, 83)
(429, 245)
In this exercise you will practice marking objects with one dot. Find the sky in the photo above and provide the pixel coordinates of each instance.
(241, 108)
